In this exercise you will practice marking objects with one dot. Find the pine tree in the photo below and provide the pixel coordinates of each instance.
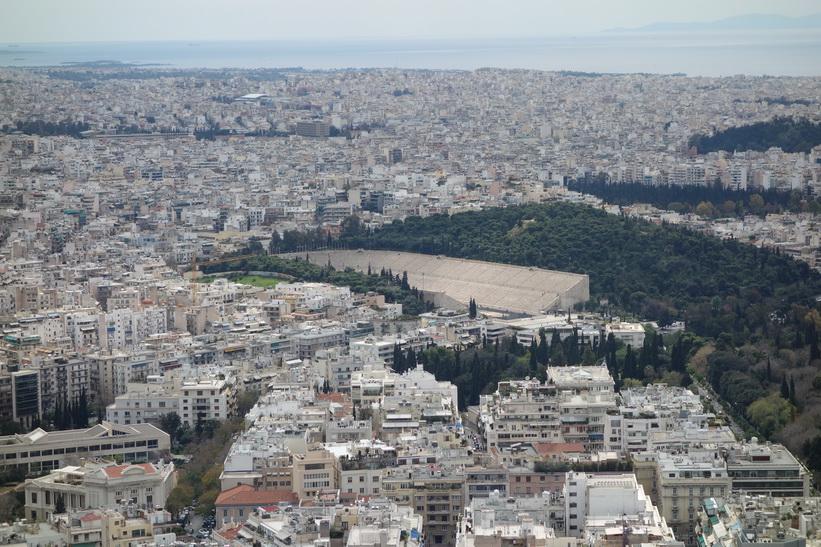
(785, 388)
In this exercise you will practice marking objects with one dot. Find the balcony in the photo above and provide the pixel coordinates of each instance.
(571, 419)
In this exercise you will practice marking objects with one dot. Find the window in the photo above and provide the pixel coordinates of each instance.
(34, 497)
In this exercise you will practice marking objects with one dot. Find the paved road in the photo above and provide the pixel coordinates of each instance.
(707, 393)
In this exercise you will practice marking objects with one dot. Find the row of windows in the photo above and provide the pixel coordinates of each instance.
(362, 490)
(72, 449)
(375, 478)
(309, 476)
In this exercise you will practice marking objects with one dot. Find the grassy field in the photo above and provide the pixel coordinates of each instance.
(253, 280)
(259, 281)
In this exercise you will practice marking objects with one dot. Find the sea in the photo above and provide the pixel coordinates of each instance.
(705, 53)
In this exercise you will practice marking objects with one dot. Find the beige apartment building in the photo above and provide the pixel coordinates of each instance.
(435, 492)
(314, 472)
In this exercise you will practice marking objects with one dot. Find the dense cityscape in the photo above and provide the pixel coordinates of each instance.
(164, 381)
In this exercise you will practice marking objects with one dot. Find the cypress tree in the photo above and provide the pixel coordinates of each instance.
(792, 389)
(398, 359)
(555, 340)
(534, 363)
(630, 365)
(83, 409)
(58, 414)
(544, 350)
(557, 357)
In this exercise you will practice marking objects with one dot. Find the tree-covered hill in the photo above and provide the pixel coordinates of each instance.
(753, 319)
(655, 271)
(710, 201)
(790, 135)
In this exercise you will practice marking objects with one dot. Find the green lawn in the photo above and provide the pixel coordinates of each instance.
(259, 281)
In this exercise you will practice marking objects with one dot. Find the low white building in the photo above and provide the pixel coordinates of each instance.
(98, 484)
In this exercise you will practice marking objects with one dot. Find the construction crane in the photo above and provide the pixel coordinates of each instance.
(195, 265)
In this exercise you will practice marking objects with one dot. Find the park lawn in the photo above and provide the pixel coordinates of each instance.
(259, 281)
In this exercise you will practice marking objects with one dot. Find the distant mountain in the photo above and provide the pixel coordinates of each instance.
(752, 21)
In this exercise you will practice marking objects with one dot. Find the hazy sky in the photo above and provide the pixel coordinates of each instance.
(114, 20)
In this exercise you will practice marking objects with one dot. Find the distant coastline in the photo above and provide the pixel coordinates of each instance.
(702, 53)
(752, 21)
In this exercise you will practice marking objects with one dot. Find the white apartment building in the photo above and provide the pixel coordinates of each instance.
(571, 408)
(261, 457)
(370, 384)
(307, 344)
(206, 400)
(678, 481)
(649, 415)
(378, 348)
(417, 382)
(144, 403)
(124, 327)
(597, 505)
(630, 333)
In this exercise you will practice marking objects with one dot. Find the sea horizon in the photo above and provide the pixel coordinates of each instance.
(699, 53)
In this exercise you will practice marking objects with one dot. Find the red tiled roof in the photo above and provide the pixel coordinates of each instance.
(334, 397)
(116, 471)
(229, 534)
(89, 517)
(244, 494)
